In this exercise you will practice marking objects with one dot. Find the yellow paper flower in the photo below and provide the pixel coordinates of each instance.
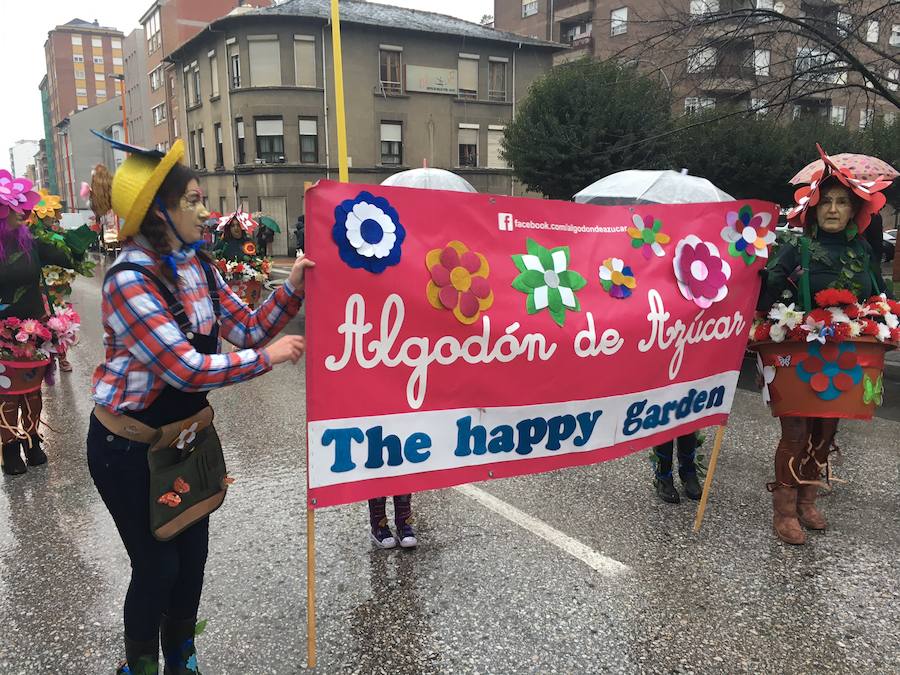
(48, 206)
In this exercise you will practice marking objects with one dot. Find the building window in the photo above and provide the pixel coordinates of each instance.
(79, 72)
(844, 22)
(117, 61)
(265, 61)
(390, 71)
(529, 8)
(98, 60)
(77, 58)
(467, 69)
(195, 80)
(765, 4)
(759, 105)
(497, 80)
(217, 130)
(234, 64)
(99, 77)
(872, 31)
(76, 40)
(895, 35)
(116, 43)
(391, 143)
(192, 148)
(305, 60)
(213, 76)
(701, 59)
(269, 139)
(618, 21)
(694, 104)
(865, 118)
(309, 141)
(761, 60)
(151, 30)
(494, 148)
(202, 143)
(156, 79)
(81, 92)
(889, 119)
(101, 94)
(468, 145)
(97, 42)
(893, 78)
(838, 115)
(159, 114)
(239, 130)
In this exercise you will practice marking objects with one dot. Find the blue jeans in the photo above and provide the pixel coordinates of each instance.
(166, 577)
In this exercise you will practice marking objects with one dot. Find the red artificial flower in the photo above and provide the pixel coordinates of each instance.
(797, 333)
(762, 332)
(820, 314)
(895, 334)
(181, 486)
(894, 306)
(831, 297)
(852, 311)
(169, 499)
(869, 327)
(841, 332)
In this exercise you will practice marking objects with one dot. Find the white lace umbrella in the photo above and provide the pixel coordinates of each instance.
(636, 186)
(429, 179)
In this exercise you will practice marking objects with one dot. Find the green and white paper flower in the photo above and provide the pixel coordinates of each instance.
(547, 280)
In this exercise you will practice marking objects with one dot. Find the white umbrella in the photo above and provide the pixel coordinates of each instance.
(429, 179)
(651, 187)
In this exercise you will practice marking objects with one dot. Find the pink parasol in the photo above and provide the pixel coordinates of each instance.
(863, 167)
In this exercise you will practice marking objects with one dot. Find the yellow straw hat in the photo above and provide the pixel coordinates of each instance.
(136, 183)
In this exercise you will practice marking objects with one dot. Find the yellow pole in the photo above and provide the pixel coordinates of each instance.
(343, 170)
(310, 588)
(698, 521)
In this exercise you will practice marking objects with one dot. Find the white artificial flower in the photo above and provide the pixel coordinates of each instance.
(884, 333)
(891, 320)
(855, 329)
(785, 315)
(838, 315)
(777, 333)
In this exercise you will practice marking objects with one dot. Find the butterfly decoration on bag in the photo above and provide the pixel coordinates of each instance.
(784, 361)
(873, 391)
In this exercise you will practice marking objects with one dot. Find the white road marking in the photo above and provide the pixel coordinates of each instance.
(562, 541)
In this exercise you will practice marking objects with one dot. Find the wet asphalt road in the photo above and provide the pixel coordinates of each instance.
(481, 594)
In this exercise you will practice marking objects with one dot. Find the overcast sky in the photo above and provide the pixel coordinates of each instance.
(23, 33)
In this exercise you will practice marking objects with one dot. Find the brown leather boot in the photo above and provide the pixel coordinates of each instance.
(807, 512)
(784, 520)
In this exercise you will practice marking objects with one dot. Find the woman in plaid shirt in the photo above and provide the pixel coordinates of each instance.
(164, 311)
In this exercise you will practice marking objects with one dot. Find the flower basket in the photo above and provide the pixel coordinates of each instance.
(835, 379)
(21, 377)
(249, 291)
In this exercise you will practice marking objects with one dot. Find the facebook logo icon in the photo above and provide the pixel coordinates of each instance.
(505, 222)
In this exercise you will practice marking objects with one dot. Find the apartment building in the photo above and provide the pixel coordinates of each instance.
(82, 59)
(137, 111)
(420, 88)
(47, 171)
(729, 61)
(165, 25)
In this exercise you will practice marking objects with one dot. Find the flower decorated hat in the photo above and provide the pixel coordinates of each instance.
(16, 194)
(868, 191)
(245, 220)
(138, 179)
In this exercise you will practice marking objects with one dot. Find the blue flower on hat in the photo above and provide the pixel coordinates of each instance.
(368, 233)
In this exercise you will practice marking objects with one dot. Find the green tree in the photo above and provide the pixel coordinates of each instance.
(583, 121)
(752, 156)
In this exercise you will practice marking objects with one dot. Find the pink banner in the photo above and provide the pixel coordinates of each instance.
(457, 337)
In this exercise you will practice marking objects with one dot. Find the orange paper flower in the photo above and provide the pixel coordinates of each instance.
(48, 206)
(249, 248)
(169, 499)
(459, 281)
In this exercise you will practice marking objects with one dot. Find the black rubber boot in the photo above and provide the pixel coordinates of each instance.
(142, 658)
(687, 467)
(665, 489)
(12, 459)
(34, 453)
(179, 652)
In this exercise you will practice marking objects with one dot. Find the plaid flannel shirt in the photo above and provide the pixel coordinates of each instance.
(146, 350)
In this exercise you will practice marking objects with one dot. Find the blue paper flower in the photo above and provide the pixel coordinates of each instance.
(368, 233)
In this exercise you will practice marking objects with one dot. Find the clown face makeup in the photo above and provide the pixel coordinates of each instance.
(191, 214)
(835, 209)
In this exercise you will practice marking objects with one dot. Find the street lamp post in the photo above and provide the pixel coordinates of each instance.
(121, 79)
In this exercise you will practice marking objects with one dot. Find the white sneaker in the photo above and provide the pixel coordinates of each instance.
(383, 537)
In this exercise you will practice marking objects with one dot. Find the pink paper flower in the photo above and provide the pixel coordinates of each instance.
(701, 273)
(22, 336)
(29, 326)
(16, 193)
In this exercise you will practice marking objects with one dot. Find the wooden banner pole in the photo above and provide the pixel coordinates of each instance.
(698, 521)
(310, 588)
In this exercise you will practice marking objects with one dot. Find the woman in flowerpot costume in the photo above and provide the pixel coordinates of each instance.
(152, 451)
(834, 265)
(236, 256)
(24, 334)
(45, 227)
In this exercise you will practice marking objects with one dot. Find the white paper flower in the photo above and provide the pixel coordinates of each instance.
(5, 382)
(187, 436)
(767, 373)
(370, 231)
